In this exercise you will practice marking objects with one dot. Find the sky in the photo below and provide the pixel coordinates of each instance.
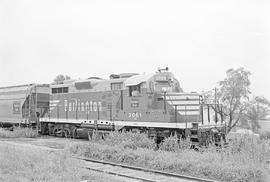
(197, 40)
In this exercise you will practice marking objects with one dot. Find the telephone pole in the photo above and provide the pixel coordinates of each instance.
(216, 105)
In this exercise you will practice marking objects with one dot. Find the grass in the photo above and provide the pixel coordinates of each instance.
(18, 133)
(26, 164)
(245, 159)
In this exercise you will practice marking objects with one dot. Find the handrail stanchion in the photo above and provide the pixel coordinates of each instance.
(165, 109)
(202, 113)
(186, 115)
(175, 112)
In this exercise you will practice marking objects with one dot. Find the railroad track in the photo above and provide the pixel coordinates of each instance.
(138, 173)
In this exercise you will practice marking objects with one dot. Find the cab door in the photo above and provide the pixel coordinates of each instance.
(136, 103)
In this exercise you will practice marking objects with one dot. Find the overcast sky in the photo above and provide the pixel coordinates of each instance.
(198, 40)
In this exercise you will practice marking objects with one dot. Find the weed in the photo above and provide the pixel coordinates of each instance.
(174, 144)
(127, 140)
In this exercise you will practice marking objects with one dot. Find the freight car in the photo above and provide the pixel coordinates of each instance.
(151, 103)
(23, 104)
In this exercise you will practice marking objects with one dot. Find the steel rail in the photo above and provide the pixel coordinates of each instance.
(168, 174)
(122, 175)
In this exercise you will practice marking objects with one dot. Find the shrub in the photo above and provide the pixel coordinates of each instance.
(249, 148)
(265, 135)
(174, 144)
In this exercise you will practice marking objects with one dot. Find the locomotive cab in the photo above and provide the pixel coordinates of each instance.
(164, 81)
(159, 98)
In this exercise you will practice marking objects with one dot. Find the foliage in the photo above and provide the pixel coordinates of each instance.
(257, 109)
(232, 96)
(245, 159)
(61, 78)
(18, 133)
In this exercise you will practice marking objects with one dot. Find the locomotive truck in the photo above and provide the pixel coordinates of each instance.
(151, 103)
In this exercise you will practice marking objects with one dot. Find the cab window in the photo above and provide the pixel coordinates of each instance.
(135, 90)
(59, 90)
(117, 86)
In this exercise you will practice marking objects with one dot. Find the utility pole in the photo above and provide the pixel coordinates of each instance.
(29, 105)
(37, 116)
(216, 105)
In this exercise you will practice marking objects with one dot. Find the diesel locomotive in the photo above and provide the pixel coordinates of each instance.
(151, 103)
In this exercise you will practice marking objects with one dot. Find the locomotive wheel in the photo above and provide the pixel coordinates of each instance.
(58, 132)
(73, 133)
(67, 133)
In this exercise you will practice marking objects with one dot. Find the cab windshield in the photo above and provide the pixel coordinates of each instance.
(171, 85)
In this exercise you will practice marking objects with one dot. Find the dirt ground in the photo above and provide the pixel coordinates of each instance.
(43, 142)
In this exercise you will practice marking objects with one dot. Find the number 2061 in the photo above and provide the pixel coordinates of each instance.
(135, 115)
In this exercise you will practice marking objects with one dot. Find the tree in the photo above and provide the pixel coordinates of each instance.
(231, 96)
(258, 108)
(61, 78)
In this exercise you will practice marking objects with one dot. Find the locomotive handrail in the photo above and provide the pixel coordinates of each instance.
(182, 100)
(165, 105)
(200, 110)
(12, 98)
